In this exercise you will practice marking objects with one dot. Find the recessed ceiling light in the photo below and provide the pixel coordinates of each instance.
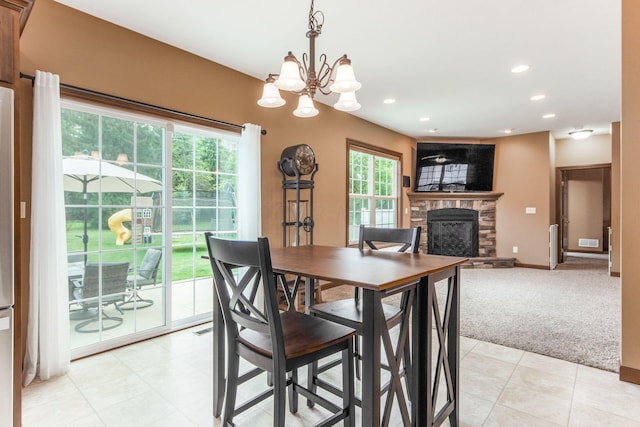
(432, 130)
(389, 101)
(507, 131)
(539, 97)
(424, 119)
(520, 68)
(549, 116)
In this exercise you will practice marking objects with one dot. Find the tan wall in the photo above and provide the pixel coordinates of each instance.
(585, 209)
(594, 150)
(522, 174)
(630, 190)
(615, 198)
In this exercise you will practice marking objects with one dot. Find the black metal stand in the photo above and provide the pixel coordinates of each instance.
(297, 184)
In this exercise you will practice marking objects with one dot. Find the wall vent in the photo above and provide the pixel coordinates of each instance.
(589, 243)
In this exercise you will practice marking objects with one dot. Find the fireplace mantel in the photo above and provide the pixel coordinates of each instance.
(432, 195)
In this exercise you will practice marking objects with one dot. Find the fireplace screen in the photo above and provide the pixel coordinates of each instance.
(452, 232)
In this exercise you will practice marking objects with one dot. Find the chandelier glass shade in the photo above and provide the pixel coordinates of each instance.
(303, 79)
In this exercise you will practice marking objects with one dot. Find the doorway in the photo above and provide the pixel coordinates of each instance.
(583, 209)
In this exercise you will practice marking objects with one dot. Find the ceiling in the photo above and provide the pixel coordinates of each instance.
(448, 60)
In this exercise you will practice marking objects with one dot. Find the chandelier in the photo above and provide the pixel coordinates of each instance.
(303, 79)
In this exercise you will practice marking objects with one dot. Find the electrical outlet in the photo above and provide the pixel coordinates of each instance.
(515, 249)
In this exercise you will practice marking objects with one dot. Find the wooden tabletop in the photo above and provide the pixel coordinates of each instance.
(378, 270)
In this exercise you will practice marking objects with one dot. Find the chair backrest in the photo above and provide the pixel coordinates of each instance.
(114, 278)
(240, 268)
(408, 238)
(150, 263)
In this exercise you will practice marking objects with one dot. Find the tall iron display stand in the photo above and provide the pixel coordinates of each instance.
(295, 219)
(296, 223)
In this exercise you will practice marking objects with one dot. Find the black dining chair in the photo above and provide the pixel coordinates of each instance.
(275, 342)
(348, 312)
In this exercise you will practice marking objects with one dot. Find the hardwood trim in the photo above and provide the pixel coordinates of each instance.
(8, 39)
(630, 375)
(615, 274)
(455, 195)
(127, 104)
(534, 266)
(23, 7)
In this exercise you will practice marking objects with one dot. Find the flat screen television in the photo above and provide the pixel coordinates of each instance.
(454, 167)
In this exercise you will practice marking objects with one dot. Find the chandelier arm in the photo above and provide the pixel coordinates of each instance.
(324, 72)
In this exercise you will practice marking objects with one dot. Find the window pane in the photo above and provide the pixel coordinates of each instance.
(79, 132)
(117, 138)
(149, 144)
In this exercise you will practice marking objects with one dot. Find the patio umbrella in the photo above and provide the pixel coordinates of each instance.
(90, 175)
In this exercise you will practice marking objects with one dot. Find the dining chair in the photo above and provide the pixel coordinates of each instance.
(274, 342)
(102, 284)
(348, 312)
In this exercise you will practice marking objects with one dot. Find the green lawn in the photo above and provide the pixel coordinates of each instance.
(183, 257)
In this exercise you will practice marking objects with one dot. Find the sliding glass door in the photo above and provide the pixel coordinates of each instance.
(139, 194)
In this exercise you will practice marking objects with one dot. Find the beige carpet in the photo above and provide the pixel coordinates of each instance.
(572, 313)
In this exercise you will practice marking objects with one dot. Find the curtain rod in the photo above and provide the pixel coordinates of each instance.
(78, 90)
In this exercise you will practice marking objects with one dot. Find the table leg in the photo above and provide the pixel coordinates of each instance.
(421, 335)
(371, 357)
(218, 356)
(453, 345)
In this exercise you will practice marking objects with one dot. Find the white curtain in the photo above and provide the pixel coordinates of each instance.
(249, 197)
(47, 351)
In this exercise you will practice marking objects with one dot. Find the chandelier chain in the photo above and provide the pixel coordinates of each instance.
(316, 19)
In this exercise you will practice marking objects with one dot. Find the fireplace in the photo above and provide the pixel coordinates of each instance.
(453, 232)
(482, 204)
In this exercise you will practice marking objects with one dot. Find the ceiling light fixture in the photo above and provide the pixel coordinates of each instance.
(389, 101)
(304, 80)
(424, 119)
(581, 133)
(520, 68)
(538, 97)
(507, 131)
(549, 116)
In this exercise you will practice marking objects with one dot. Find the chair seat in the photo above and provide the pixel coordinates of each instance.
(348, 312)
(303, 334)
(140, 280)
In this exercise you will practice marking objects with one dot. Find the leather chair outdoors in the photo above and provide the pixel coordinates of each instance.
(274, 342)
(103, 284)
(146, 275)
(348, 312)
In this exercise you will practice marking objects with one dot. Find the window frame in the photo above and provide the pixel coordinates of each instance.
(362, 147)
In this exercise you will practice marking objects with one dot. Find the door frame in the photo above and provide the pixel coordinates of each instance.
(562, 192)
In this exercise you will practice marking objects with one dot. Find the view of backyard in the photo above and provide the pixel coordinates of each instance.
(134, 183)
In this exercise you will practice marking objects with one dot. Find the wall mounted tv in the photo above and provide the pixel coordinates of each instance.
(454, 167)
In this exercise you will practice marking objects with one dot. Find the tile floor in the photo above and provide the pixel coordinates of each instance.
(167, 381)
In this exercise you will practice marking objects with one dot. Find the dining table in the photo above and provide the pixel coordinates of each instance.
(435, 358)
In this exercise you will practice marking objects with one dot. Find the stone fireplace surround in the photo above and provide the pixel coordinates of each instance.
(484, 203)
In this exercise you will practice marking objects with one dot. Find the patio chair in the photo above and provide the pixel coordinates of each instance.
(274, 342)
(348, 312)
(147, 274)
(103, 283)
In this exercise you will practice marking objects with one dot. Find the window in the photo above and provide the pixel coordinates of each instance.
(157, 187)
(373, 188)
